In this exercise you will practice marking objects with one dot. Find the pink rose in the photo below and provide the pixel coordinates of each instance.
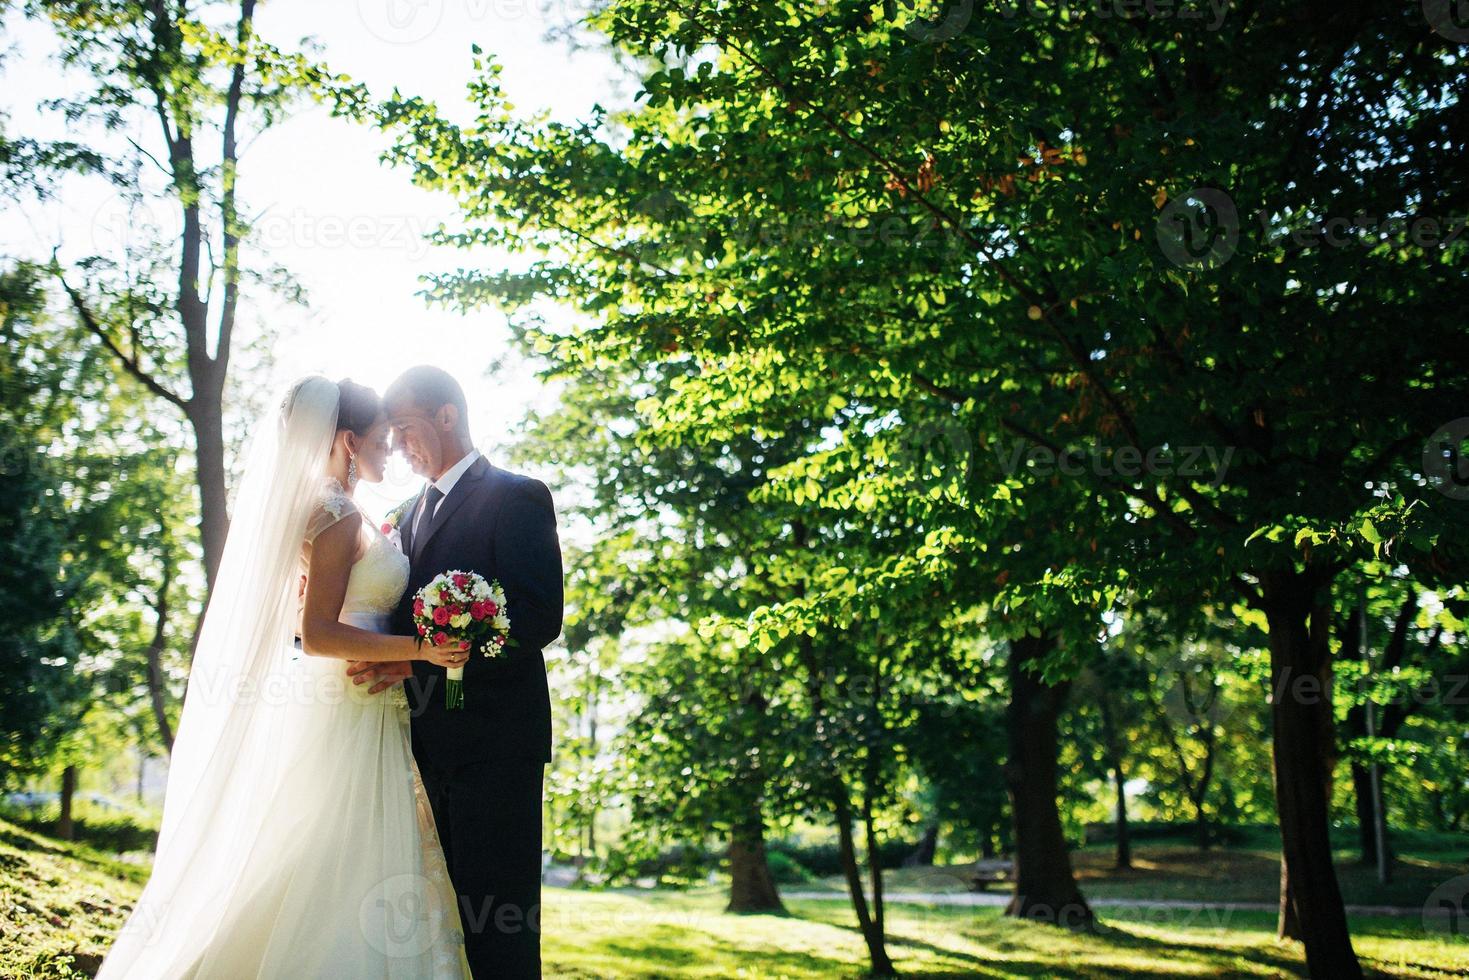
(418, 607)
(477, 610)
(455, 610)
(440, 639)
(441, 616)
(460, 581)
(491, 608)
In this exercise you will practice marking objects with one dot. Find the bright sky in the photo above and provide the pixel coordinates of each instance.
(348, 227)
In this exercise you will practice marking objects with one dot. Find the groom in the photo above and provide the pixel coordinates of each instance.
(482, 764)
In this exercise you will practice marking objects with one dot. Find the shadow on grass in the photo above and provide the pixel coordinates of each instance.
(103, 834)
(1015, 944)
(1205, 948)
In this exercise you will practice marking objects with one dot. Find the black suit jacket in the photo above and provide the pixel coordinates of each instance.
(503, 526)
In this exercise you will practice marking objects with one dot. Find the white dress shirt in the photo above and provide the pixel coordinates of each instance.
(446, 483)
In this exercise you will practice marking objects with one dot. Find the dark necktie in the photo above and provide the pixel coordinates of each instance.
(426, 512)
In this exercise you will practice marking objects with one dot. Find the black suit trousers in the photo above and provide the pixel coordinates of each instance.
(488, 816)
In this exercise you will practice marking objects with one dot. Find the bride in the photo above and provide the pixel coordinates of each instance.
(296, 839)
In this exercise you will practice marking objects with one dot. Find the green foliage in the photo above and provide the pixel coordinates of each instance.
(1054, 308)
(40, 689)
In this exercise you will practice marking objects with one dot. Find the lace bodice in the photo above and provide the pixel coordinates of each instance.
(379, 577)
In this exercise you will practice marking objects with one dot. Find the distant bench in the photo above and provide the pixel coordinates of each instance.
(988, 873)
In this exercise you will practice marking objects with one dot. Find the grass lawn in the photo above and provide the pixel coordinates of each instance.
(61, 903)
(667, 935)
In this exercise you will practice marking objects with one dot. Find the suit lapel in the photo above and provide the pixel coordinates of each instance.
(405, 523)
(461, 492)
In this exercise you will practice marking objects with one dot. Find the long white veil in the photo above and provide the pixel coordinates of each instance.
(233, 746)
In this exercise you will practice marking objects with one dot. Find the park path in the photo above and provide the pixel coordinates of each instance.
(989, 899)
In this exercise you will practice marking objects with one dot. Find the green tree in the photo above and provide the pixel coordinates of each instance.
(1108, 248)
(41, 691)
(170, 79)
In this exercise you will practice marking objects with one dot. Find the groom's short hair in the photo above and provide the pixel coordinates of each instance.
(430, 389)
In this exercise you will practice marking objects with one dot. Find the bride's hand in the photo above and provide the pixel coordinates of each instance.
(454, 654)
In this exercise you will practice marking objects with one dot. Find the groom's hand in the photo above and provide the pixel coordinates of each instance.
(382, 674)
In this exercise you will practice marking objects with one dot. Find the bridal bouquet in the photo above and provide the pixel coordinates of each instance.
(457, 606)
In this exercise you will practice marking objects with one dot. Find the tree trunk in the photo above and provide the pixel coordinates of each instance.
(923, 854)
(1045, 887)
(1115, 762)
(751, 886)
(1366, 814)
(877, 953)
(1287, 924)
(157, 687)
(1297, 608)
(1124, 839)
(207, 418)
(65, 828)
(874, 861)
(1201, 816)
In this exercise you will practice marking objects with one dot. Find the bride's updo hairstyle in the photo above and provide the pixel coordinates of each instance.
(358, 407)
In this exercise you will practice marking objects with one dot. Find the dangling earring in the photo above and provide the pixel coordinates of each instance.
(351, 471)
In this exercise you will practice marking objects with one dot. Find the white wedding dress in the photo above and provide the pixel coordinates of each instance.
(338, 872)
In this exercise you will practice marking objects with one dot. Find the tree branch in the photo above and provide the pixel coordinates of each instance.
(228, 213)
(133, 366)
